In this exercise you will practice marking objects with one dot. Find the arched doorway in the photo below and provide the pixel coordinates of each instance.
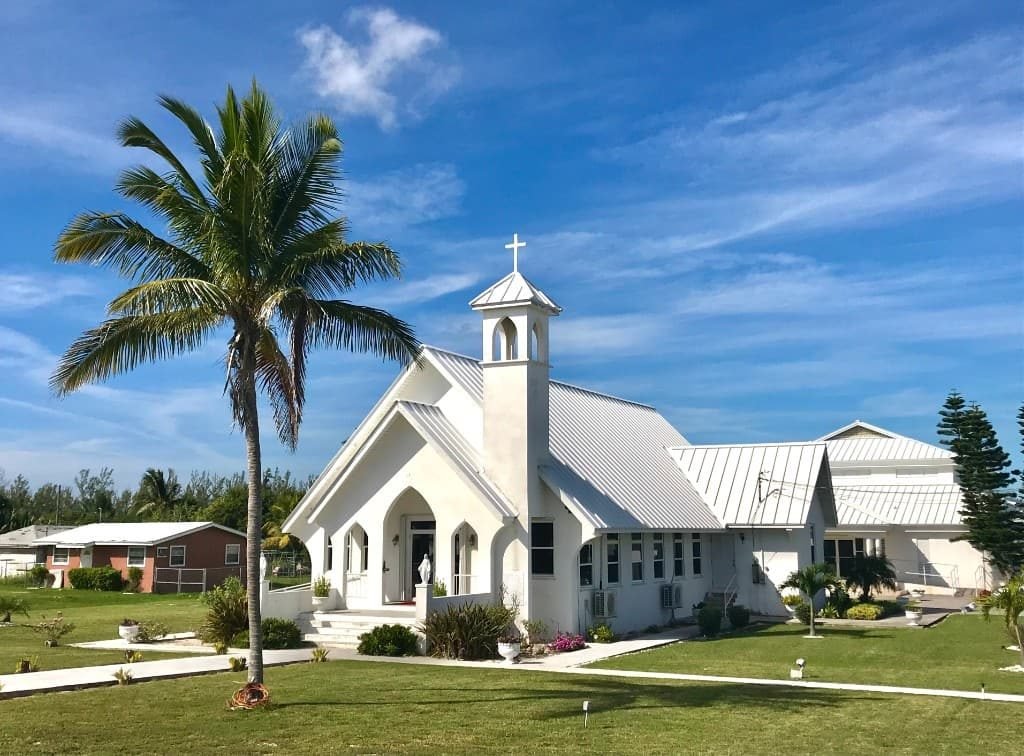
(412, 529)
(464, 554)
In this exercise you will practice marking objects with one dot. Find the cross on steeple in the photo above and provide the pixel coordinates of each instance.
(514, 246)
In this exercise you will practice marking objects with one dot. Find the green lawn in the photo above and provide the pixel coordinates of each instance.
(95, 615)
(366, 707)
(960, 653)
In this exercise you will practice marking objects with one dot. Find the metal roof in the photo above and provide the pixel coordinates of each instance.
(23, 538)
(898, 505)
(609, 454)
(431, 422)
(727, 477)
(899, 449)
(511, 290)
(126, 533)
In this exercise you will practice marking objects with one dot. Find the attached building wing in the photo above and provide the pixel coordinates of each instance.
(924, 505)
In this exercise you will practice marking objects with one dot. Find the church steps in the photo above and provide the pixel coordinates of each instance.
(344, 628)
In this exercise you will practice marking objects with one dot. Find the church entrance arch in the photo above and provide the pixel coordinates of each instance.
(411, 527)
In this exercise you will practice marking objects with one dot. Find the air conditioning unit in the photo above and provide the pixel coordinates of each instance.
(603, 604)
(671, 596)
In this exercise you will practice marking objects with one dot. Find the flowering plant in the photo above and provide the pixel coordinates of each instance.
(567, 642)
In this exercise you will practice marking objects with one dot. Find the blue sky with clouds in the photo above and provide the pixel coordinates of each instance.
(766, 220)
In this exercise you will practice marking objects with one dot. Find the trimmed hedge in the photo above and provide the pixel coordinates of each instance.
(864, 612)
(709, 618)
(277, 633)
(388, 640)
(739, 615)
(95, 579)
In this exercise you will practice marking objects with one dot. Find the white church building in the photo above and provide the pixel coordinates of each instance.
(588, 508)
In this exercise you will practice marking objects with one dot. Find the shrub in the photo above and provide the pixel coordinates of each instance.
(322, 587)
(864, 611)
(95, 579)
(837, 602)
(440, 589)
(54, 629)
(40, 576)
(280, 633)
(709, 618)
(27, 664)
(467, 631)
(319, 655)
(237, 664)
(602, 633)
(10, 605)
(739, 615)
(802, 612)
(890, 608)
(792, 599)
(226, 614)
(134, 579)
(123, 676)
(564, 642)
(388, 640)
(151, 631)
(536, 631)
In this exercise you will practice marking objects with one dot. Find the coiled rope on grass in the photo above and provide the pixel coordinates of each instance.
(250, 696)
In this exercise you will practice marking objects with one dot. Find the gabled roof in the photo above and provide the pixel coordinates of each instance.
(727, 476)
(861, 442)
(127, 533)
(23, 538)
(923, 505)
(514, 289)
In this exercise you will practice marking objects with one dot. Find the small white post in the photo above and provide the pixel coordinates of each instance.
(586, 712)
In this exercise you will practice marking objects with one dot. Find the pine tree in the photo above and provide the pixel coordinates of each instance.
(994, 525)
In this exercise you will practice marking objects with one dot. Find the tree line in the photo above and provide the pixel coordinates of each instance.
(993, 492)
(159, 496)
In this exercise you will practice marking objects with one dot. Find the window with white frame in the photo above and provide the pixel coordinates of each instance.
(365, 555)
(697, 545)
(542, 547)
(587, 564)
(636, 556)
(177, 556)
(60, 556)
(232, 553)
(612, 557)
(161, 552)
(136, 556)
(678, 555)
(658, 553)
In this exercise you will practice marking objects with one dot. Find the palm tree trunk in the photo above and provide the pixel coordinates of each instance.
(254, 519)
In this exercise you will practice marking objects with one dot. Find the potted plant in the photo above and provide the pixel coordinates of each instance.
(510, 645)
(128, 629)
(791, 601)
(322, 592)
(913, 612)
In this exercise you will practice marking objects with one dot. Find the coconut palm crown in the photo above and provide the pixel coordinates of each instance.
(868, 573)
(810, 580)
(252, 249)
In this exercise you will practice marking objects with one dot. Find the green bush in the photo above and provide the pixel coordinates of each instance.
(95, 579)
(134, 578)
(277, 633)
(709, 618)
(602, 633)
(802, 612)
(864, 611)
(739, 615)
(467, 631)
(226, 613)
(388, 640)
(40, 576)
(890, 608)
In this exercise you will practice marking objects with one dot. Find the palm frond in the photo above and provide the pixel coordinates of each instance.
(325, 269)
(164, 196)
(122, 343)
(117, 240)
(134, 133)
(357, 328)
(306, 187)
(276, 382)
(170, 294)
(202, 134)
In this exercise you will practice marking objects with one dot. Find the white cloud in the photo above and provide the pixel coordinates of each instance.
(366, 79)
(46, 127)
(398, 199)
(423, 290)
(19, 292)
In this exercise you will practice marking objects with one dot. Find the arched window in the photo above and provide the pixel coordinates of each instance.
(330, 553)
(535, 342)
(505, 343)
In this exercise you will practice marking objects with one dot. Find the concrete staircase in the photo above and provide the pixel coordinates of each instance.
(341, 629)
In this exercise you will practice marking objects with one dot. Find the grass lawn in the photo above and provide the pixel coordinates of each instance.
(960, 653)
(95, 615)
(367, 707)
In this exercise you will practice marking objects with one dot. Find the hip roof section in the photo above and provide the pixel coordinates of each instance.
(127, 533)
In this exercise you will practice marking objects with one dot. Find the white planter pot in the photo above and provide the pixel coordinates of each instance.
(509, 651)
(128, 632)
(323, 603)
(913, 616)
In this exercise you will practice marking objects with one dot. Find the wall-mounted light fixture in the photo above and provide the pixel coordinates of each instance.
(394, 541)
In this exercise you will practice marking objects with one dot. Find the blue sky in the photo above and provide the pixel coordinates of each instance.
(766, 221)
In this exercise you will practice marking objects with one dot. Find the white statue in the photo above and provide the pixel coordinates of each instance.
(263, 567)
(425, 570)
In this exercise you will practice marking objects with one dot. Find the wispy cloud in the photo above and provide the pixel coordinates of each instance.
(56, 134)
(398, 199)
(391, 74)
(22, 291)
(423, 290)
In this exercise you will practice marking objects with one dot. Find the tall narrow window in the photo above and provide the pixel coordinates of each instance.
(658, 552)
(232, 553)
(330, 553)
(697, 544)
(814, 548)
(136, 556)
(678, 557)
(542, 548)
(177, 557)
(365, 561)
(612, 557)
(636, 551)
(587, 564)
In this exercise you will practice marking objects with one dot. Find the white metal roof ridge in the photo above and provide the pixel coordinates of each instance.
(128, 533)
(899, 504)
(514, 289)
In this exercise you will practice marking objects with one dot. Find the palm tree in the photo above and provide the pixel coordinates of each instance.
(159, 495)
(253, 249)
(1010, 599)
(811, 580)
(9, 605)
(870, 573)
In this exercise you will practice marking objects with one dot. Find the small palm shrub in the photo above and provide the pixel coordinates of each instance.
(319, 655)
(123, 676)
(602, 633)
(226, 612)
(388, 640)
(134, 579)
(802, 612)
(709, 619)
(739, 615)
(468, 631)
